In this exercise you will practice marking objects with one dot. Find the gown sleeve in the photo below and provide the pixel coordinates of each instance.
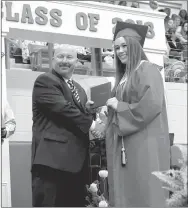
(149, 92)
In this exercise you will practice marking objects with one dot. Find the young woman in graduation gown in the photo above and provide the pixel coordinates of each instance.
(137, 139)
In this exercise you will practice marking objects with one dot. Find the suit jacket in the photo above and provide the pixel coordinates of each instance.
(178, 47)
(175, 49)
(60, 124)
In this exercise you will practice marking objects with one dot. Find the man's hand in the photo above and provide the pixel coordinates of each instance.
(89, 107)
(89, 104)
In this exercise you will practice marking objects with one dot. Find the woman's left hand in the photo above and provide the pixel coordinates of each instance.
(112, 102)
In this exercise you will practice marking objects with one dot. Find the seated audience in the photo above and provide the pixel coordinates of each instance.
(135, 5)
(174, 16)
(181, 33)
(122, 3)
(168, 12)
(176, 48)
(110, 2)
(177, 22)
(169, 25)
(183, 15)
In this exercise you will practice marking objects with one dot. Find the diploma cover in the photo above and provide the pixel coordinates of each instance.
(100, 94)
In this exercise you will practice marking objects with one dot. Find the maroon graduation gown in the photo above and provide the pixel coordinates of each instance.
(141, 119)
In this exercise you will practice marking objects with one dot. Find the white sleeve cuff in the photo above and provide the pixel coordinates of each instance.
(92, 126)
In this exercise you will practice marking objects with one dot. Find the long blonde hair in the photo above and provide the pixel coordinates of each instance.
(135, 54)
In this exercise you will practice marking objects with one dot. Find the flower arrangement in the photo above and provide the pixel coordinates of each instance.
(95, 198)
(176, 182)
(175, 71)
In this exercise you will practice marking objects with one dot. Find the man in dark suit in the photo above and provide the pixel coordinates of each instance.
(62, 119)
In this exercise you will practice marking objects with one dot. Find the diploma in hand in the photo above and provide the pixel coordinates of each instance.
(100, 94)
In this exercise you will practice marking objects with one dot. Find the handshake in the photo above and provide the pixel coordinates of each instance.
(98, 126)
(98, 132)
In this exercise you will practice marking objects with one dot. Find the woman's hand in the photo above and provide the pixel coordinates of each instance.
(112, 102)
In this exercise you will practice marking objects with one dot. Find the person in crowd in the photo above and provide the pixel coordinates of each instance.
(122, 3)
(183, 15)
(110, 2)
(181, 33)
(177, 22)
(169, 25)
(62, 120)
(176, 48)
(166, 20)
(135, 5)
(174, 16)
(8, 122)
(137, 139)
(168, 12)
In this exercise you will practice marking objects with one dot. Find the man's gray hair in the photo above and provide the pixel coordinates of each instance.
(59, 47)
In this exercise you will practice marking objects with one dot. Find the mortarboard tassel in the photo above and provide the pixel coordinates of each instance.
(123, 154)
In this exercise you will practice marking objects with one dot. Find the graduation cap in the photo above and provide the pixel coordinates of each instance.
(124, 29)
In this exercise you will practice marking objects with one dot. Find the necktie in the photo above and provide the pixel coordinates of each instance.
(73, 89)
